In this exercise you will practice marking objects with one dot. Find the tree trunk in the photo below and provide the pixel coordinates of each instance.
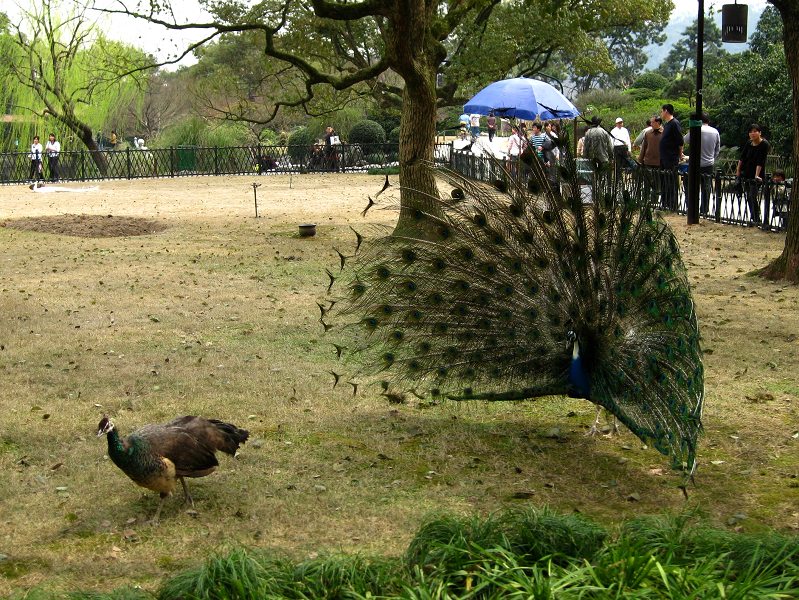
(415, 54)
(787, 265)
(416, 142)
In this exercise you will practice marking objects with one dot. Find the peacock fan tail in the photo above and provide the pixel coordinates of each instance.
(514, 291)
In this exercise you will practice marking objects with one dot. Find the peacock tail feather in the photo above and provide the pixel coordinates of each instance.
(506, 280)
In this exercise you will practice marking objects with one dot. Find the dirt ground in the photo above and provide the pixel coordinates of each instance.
(749, 454)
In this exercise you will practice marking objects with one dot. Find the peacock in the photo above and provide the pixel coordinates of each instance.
(157, 456)
(515, 289)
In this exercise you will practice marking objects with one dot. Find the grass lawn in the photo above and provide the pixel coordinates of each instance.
(215, 315)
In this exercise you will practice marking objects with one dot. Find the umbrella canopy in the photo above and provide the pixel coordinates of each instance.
(522, 98)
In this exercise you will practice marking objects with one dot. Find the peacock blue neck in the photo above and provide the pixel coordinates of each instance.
(116, 449)
(578, 378)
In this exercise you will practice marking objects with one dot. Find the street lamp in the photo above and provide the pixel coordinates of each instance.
(733, 30)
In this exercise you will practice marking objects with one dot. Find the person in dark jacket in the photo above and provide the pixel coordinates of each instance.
(670, 152)
(752, 169)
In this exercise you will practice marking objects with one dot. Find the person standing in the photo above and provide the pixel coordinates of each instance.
(474, 121)
(640, 137)
(331, 151)
(711, 147)
(491, 124)
(36, 159)
(598, 145)
(537, 140)
(649, 157)
(516, 145)
(670, 151)
(752, 168)
(113, 139)
(52, 149)
(621, 145)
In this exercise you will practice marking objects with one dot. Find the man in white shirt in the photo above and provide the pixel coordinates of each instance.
(710, 148)
(621, 144)
(52, 150)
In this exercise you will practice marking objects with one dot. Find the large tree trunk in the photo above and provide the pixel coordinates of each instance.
(787, 265)
(415, 55)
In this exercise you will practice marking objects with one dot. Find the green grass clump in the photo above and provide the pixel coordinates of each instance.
(530, 554)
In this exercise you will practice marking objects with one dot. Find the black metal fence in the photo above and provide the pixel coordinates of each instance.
(15, 167)
(723, 198)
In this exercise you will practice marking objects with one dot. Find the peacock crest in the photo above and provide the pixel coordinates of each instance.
(516, 290)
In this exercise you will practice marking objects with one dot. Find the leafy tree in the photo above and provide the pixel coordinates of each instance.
(651, 81)
(681, 60)
(768, 32)
(394, 49)
(66, 72)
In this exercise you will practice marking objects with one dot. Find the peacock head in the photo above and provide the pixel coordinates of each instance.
(105, 426)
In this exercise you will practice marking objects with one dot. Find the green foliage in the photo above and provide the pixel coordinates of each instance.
(393, 136)
(650, 81)
(196, 131)
(611, 100)
(366, 133)
(301, 141)
(755, 87)
(638, 94)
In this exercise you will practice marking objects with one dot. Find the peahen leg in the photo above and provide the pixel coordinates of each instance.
(154, 520)
(187, 499)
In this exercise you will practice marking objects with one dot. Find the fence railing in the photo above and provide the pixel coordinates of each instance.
(723, 198)
(83, 165)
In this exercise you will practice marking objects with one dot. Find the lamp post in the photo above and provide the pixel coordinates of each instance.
(695, 137)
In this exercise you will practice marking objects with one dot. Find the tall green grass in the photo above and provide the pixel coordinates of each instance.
(535, 554)
(515, 554)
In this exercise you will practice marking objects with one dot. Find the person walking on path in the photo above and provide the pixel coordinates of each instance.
(670, 151)
(35, 155)
(474, 121)
(491, 124)
(52, 149)
(752, 169)
(710, 148)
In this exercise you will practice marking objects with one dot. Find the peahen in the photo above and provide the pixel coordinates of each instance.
(157, 456)
(515, 290)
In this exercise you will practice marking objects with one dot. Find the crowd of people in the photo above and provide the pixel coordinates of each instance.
(657, 150)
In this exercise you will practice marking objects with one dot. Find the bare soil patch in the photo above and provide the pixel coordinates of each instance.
(90, 226)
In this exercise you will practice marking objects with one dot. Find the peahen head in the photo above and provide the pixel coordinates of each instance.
(105, 426)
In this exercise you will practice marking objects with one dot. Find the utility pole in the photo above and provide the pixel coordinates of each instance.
(695, 139)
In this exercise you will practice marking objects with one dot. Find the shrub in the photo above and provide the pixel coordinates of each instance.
(367, 132)
(651, 81)
(300, 142)
(393, 136)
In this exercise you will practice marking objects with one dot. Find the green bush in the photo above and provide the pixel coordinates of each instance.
(651, 81)
(300, 143)
(196, 131)
(642, 93)
(393, 136)
(367, 132)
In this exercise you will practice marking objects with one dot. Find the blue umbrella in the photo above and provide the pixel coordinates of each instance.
(523, 98)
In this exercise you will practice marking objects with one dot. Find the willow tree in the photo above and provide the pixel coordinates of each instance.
(65, 73)
(396, 48)
(786, 266)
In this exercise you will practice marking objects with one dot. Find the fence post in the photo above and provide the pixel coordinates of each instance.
(127, 162)
(719, 197)
(172, 160)
(216, 160)
(767, 200)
